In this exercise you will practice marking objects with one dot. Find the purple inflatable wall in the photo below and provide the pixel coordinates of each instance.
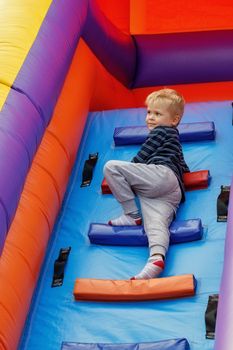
(224, 324)
(31, 101)
(180, 58)
(116, 50)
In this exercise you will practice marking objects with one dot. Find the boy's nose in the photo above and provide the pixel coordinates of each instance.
(151, 117)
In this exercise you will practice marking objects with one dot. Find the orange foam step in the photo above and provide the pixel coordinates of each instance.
(134, 290)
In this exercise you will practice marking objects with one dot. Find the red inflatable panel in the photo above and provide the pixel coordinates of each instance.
(195, 180)
(129, 290)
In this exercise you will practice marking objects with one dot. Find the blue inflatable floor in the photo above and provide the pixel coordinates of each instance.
(55, 316)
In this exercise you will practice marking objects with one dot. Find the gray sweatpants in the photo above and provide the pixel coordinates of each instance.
(159, 194)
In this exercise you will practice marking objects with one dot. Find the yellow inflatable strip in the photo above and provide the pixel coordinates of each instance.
(20, 21)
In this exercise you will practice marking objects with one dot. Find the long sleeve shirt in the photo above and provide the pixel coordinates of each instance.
(163, 147)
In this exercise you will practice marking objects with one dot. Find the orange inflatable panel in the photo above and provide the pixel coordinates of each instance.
(195, 180)
(130, 290)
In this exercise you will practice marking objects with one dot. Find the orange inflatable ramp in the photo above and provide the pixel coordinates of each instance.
(134, 290)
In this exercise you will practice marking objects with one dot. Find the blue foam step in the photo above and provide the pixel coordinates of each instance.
(133, 135)
(172, 344)
(180, 232)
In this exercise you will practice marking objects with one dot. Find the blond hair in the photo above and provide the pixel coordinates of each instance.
(172, 98)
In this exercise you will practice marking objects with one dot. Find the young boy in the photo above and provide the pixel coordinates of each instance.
(155, 176)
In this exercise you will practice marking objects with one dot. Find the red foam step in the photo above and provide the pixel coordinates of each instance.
(195, 180)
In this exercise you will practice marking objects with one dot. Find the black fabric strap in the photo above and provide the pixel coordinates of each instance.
(88, 169)
(210, 316)
(222, 203)
(59, 267)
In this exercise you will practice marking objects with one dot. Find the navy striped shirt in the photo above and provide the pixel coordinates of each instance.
(163, 147)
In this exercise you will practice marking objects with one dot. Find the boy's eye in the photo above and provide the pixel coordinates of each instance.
(148, 112)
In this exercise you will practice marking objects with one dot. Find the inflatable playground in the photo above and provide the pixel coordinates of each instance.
(74, 76)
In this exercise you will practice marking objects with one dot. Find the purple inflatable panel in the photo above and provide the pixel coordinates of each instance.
(3, 226)
(224, 324)
(22, 120)
(115, 49)
(14, 165)
(43, 73)
(181, 58)
(31, 101)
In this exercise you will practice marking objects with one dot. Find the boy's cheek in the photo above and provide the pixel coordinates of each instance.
(151, 123)
(150, 127)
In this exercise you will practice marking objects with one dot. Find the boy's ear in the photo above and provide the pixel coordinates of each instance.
(176, 119)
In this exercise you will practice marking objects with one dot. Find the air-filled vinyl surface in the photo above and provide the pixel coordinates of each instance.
(56, 317)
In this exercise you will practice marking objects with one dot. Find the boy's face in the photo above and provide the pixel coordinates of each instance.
(160, 114)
